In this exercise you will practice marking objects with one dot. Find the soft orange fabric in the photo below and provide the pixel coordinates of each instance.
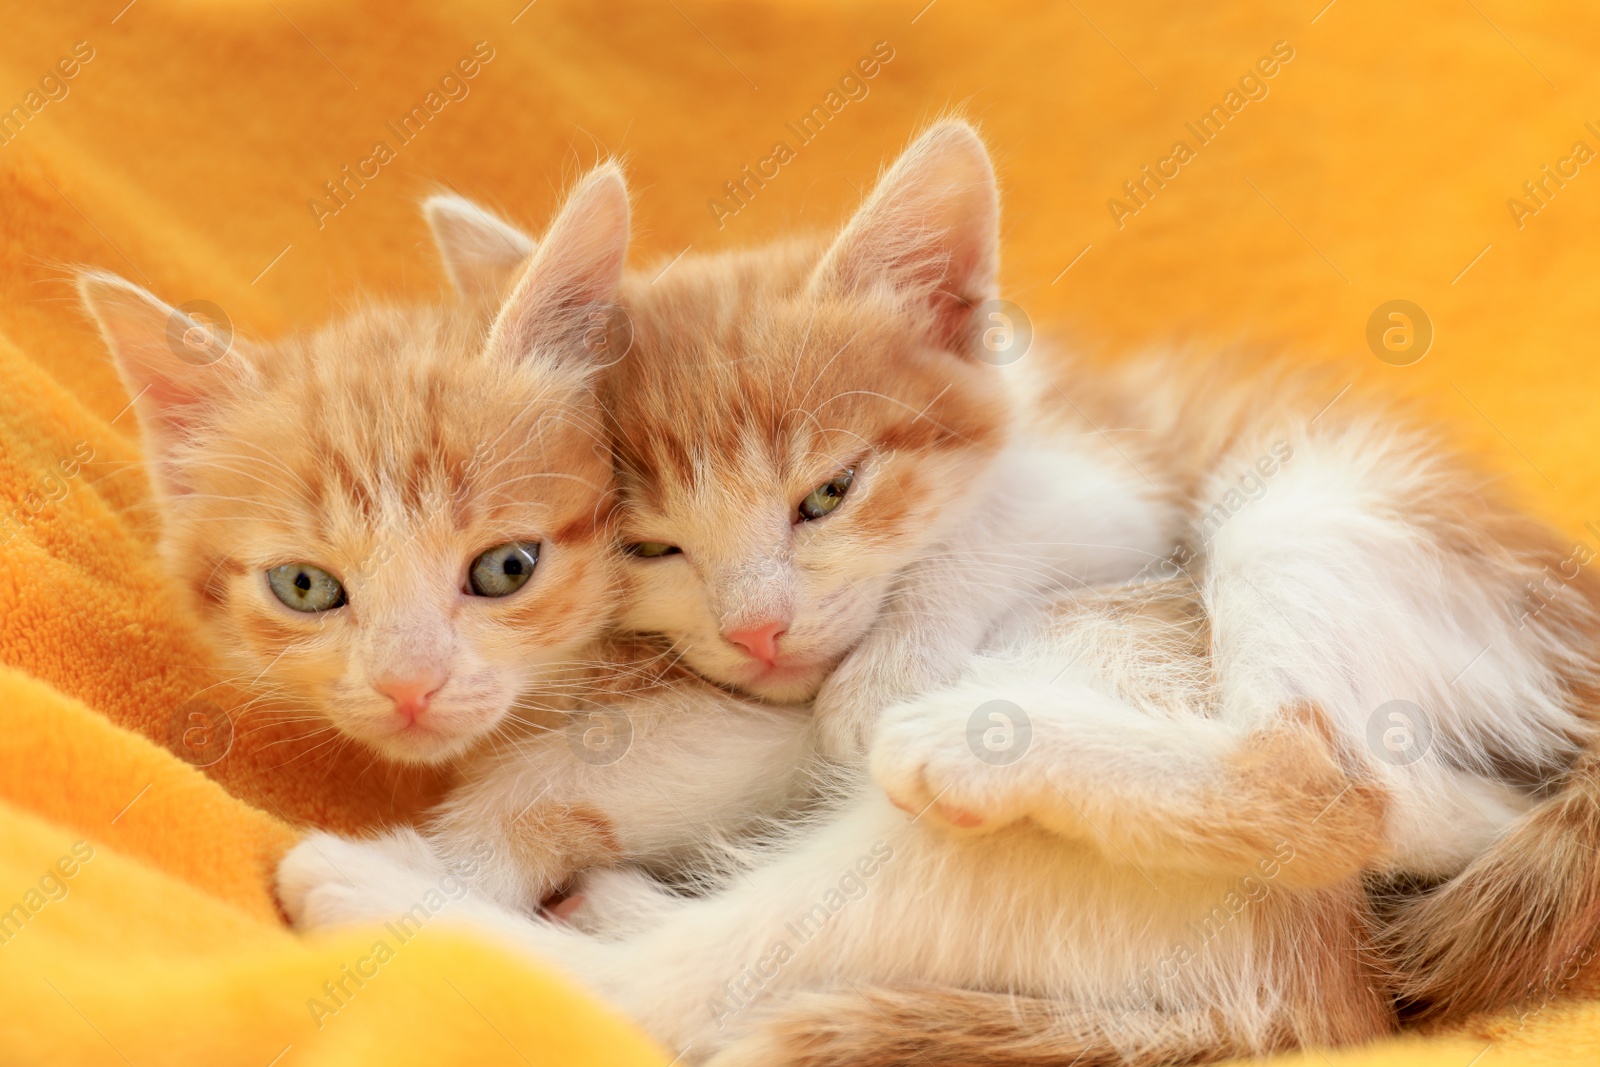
(1386, 160)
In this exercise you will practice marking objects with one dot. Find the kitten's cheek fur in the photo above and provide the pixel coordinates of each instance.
(708, 655)
(667, 599)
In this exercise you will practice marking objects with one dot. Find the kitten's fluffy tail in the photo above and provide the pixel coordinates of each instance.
(1518, 926)
(931, 1026)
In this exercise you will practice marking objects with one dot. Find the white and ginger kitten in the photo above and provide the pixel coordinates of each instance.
(403, 522)
(1104, 823)
(402, 519)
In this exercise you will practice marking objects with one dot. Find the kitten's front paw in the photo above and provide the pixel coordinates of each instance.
(311, 888)
(849, 704)
(940, 760)
(327, 880)
(886, 669)
(845, 716)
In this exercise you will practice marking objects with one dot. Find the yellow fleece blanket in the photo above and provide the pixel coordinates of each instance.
(1272, 176)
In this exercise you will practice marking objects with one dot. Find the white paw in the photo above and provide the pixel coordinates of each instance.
(327, 880)
(844, 723)
(849, 704)
(960, 764)
(891, 665)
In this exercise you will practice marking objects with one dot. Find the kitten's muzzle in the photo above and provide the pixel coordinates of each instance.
(411, 694)
(759, 640)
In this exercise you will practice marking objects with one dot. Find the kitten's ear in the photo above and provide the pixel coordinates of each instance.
(931, 229)
(171, 362)
(574, 274)
(481, 252)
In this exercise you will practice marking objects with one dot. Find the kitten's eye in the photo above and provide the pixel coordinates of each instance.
(305, 587)
(652, 549)
(827, 496)
(504, 569)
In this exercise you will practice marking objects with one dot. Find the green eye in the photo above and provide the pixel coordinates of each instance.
(827, 496)
(504, 569)
(306, 587)
(652, 549)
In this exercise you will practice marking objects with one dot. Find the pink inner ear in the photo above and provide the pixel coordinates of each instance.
(958, 270)
(932, 226)
(175, 405)
(577, 266)
(952, 266)
(952, 320)
(167, 411)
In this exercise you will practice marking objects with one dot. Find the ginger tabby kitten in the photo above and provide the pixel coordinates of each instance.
(827, 491)
(403, 522)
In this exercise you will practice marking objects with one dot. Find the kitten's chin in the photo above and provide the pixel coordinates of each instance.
(793, 679)
(782, 683)
(416, 743)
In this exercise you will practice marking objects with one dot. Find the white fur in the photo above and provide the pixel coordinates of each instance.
(1017, 910)
(1321, 591)
(1056, 511)
(699, 769)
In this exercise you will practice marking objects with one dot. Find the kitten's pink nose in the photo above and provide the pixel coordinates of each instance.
(760, 641)
(411, 694)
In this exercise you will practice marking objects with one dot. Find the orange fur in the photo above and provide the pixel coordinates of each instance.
(750, 380)
(1519, 927)
(755, 376)
(389, 450)
(783, 391)
(292, 463)
(555, 838)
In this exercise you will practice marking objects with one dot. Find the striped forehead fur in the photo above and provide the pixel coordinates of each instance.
(734, 352)
(401, 406)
